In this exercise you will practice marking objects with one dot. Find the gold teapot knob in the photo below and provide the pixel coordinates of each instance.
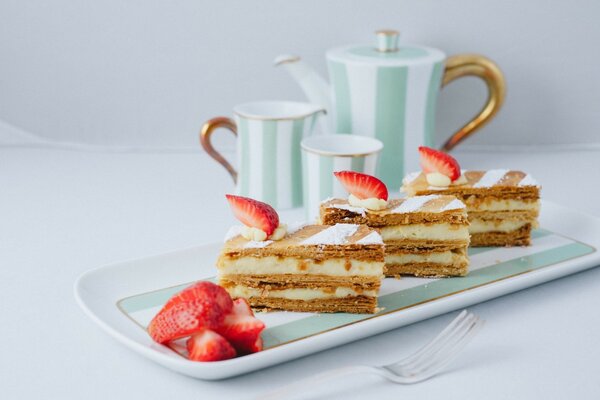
(387, 40)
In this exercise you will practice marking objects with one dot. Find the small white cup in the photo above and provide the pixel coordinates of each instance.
(268, 147)
(323, 155)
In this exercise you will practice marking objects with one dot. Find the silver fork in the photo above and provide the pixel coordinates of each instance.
(422, 365)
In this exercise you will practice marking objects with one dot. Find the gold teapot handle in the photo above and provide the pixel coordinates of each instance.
(205, 137)
(484, 68)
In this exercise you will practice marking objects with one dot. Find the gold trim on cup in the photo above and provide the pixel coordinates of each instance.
(387, 32)
(205, 140)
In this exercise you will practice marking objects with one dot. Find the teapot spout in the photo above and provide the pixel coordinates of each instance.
(314, 86)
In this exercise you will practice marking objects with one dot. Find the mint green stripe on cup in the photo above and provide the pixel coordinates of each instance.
(296, 178)
(305, 181)
(325, 177)
(389, 122)
(269, 162)
(244, 149)
(432, 93)
(358, 164)
(341, 85)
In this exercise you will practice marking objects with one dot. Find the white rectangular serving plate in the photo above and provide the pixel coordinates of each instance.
(122, 298)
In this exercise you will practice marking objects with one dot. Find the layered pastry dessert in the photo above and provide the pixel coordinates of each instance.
(503, 205)
(311, 268)
(423, 235)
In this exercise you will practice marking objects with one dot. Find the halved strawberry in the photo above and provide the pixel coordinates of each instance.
(438, 161)
(243, 332)
(241, 307)
(208, 345)
(202, 305)
(362, 186)
(254, 213)
(201, 289)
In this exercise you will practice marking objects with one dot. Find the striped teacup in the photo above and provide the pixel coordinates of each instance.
(322, 155)
(268, 149)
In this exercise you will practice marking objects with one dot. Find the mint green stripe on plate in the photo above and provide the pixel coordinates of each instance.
(428, 291)
(417, 295)
(153, 299)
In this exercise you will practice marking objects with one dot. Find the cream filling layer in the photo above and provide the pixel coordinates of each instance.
(482, 226)
(290, 265)
(442, 231)
(504, 205)
(442, 257)
(299, 293)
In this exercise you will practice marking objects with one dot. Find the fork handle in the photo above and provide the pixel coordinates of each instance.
(293, 388)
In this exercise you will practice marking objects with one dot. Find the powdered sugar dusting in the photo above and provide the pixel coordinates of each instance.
(336, 234)
(358, 210)
(295, 227)
(233, 232)
(371, 238)
(528, 181)
(453, 205)
(252, 244)
(412, 204)
(490, 178)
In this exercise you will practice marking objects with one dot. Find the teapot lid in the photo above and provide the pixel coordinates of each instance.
(386, 51)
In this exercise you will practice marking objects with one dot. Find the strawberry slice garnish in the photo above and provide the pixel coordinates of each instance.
(242, 331)
(438, 161)
(207, 345)
(362, 186)
(254, 213)
(202, 305)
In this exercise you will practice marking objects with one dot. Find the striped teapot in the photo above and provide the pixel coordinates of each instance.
(389, 91)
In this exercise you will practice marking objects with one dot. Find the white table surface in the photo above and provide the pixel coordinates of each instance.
(64, 212)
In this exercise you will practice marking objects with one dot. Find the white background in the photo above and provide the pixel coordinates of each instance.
(150, 72)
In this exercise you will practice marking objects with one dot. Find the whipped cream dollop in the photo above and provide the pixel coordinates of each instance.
(279, 232)
(254, 234)
(437, 179)
(371, 203)
(258, 235)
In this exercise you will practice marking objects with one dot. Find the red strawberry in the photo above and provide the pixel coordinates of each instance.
(241, 307)
(243, 332)
(202, 305)
(207, 345)
(438, 161)
(254, 213)
(362, 186)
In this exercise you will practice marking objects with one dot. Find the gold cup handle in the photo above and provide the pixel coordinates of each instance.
(205, 137)
(484, 68)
